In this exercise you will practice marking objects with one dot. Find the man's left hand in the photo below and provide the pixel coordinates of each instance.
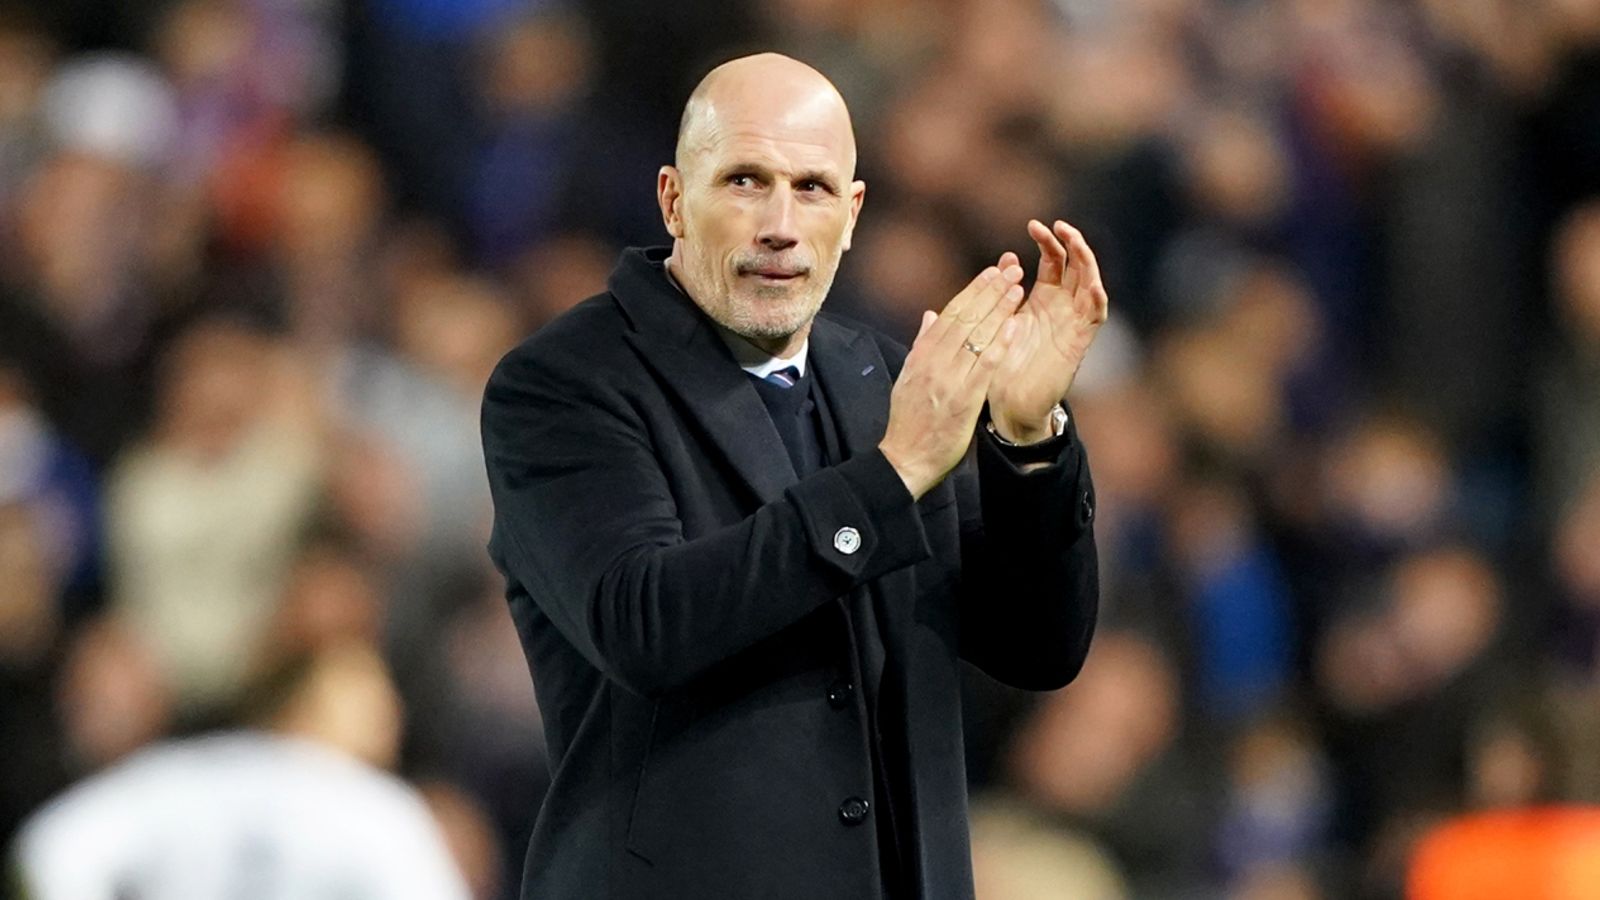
(1059, 320)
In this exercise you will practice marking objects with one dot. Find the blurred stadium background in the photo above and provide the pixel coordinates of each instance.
(257, 258)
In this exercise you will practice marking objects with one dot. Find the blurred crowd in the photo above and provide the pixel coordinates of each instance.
(257, 258)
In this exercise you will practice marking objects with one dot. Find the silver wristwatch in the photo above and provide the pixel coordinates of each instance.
(1058, 427)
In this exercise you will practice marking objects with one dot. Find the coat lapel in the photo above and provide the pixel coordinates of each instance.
(679, 344)
(853, 375)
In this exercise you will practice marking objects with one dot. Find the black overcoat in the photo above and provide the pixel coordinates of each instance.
(710, 635)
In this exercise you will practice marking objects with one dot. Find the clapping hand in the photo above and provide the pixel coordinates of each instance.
(1055, 326)
(948, 373)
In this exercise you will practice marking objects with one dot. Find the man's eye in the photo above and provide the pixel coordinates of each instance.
(739, 180)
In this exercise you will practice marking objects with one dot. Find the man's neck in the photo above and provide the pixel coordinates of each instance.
(784, 347)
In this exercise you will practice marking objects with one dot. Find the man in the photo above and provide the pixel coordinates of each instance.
(744, 594)
(292, 807)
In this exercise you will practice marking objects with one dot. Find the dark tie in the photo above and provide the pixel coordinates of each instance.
(787, 397)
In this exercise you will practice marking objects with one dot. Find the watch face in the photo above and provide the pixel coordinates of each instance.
(1058, 420)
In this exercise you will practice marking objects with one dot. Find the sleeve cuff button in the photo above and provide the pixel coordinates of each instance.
(847, 540)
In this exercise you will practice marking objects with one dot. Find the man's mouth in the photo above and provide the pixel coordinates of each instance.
(773, 274)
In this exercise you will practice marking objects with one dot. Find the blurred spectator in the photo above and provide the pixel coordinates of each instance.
(203, 516)
(1575, 568)
(327, 202)
(864, 45)
(921, 142)
(1568, 415)
(74, 313)
(1277, 815)
(407, 84)
(244, 71)
(552, 276)
(533, 86)
(58, 485)
(1455, 351)
(112, 696)
(1238, 171)
(448, 331)
(1106, 757)
(1239, 613)
(1514, 756)
(332, 597)
(1388, 487)
(899, 291)
(34, 766)
(29, 618)
(292, 808)
(1015, 856)
(1379, 490)
(48, 580)
(1278, 883)
(417, 407)
(1404, 680)
(26, 56)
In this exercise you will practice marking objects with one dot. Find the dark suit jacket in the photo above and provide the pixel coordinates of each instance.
(705, 637)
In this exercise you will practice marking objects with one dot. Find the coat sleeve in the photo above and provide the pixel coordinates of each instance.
(586, 522)
(1029, 590)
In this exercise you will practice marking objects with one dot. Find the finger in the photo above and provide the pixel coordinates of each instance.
(958, 309)
(1084, 258)
(988, 330)
(1077, 245)
(922, 342)
(972, 304)
(1052, 255)
(1081, 260)
(988, 362)
(977, 309)
(1008, 259)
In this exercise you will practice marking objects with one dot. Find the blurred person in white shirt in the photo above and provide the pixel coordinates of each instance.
(296, 807)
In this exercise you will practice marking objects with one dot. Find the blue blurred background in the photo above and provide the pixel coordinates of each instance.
(257, 258)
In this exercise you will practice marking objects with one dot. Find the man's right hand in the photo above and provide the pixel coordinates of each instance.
(936, 400)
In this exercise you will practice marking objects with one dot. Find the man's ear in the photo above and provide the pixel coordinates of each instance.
(669, 194)
(858, 195)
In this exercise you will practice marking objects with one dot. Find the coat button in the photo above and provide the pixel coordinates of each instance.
(847, 540)
(839, 693)
(1086, 508)
(853, 811)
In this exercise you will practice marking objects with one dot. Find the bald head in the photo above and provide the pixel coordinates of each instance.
(762, 200)
(765, 91)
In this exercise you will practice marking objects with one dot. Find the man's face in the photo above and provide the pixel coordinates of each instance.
(763, 210)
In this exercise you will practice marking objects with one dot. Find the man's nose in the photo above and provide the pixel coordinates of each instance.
(778, 220)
